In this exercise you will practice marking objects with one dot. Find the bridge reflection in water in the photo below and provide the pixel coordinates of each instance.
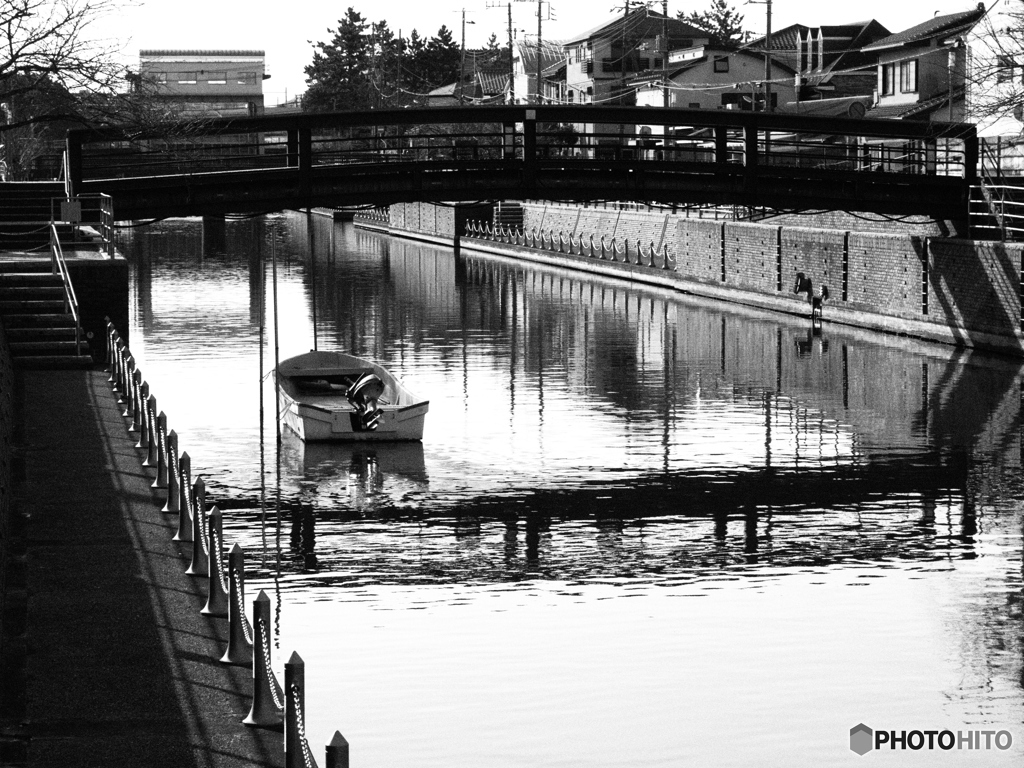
(584, 432)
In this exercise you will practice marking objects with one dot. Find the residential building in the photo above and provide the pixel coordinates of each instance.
(921, 72)
(524, 66)
(602, 62)
(714, 77)
(212, 83)
(829, 62)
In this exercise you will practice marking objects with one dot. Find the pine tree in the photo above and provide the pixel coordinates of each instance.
(723, 24)
(337, 76)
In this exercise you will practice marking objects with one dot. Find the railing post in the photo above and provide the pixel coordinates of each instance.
(161, 462)
(110, 345)
(530, 151)
(129, 380)
(200, 547)
(239, 650)
(182, 475)
(73, 162)
(152, 455)
(267, 704)
(337, 752)
(143, 417)
(173, 501)
(217, 599)
(136, 408)
(296, 746)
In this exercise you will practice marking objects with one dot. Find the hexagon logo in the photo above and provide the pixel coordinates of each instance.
(861, 738)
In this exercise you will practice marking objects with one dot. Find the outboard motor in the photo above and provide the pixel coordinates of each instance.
(364, 394)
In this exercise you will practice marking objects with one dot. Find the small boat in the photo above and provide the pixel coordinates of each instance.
(334, 396)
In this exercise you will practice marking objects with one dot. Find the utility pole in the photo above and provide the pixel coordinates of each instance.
(511, 61)
(767, 57)
(462, 59)
(664, 54)
(540, 66)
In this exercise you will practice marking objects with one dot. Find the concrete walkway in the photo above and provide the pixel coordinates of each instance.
(121, 669)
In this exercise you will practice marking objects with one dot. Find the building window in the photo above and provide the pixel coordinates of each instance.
(187, 78)
(908, 76)
(217, 78)
(721, 64)
(694, 105)
(657, 63)
(1004, 69)
(246, 78)
(888, 79)
(158, 77)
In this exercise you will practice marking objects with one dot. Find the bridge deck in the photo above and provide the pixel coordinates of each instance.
(556, 153)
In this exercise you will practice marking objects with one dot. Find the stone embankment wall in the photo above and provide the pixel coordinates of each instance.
(6, 478)
(902, 281)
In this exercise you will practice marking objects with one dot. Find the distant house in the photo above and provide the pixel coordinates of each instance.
(921, 71)
(211, 83)
(714, 77)
(602, 62)
(524, 64)
(828, 61)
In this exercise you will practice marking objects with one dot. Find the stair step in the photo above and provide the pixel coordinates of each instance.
(55, 333)
(25, 265)
(52, 362)
(15, 279)
(31, 292)
(39, 320)
(47, 347)
(28, 307)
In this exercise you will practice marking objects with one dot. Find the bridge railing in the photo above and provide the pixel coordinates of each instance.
(721, 140)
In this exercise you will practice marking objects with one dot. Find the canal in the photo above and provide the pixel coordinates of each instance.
(642, 529)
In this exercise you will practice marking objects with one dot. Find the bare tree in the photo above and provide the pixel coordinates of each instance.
(996, 73)
(49, 47)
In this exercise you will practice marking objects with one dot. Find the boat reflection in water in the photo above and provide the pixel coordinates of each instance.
(337, 483)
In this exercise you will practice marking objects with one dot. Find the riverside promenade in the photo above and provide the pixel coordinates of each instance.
(118, 667)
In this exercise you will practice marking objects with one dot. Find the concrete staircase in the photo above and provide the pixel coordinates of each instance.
(39, 331)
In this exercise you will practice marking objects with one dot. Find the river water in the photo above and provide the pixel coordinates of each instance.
(641, 530)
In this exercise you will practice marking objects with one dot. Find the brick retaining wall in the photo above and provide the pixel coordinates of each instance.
(945, 289)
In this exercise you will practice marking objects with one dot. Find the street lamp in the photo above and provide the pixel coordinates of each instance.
(462, 60)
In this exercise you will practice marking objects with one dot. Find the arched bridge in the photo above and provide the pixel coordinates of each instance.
(578, 153)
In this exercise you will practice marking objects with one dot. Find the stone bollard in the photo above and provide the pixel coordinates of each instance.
(239, 649)
(296, 745)
(122, 378)
(200, 565)
(217, 601)
(267, 703)
(173, 496)
(152, 457)
(136, 400)
(114, 359)
(161, 453)
(183, 476)
(108, 357)
(129, 380)
(143, 418)
(337, 752)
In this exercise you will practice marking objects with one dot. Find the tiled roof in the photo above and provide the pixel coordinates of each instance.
(551, 52)
(641, 22)
(940, 26)
(921, 108)
(197, 52)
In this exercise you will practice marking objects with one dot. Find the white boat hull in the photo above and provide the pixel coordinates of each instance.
(331, 417)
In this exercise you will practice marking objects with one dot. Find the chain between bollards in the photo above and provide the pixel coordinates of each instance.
(239, 650)
(200, 550)
(173, 496)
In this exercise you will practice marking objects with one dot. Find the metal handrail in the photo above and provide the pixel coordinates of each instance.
(59, 266)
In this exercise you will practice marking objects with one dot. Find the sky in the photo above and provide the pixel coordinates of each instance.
(285, 32)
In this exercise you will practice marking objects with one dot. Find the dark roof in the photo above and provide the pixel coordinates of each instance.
(551, 52)
(920, 109)
(197, 52)
(640, 23)
(940, 26)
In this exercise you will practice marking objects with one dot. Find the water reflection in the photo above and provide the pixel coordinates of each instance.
(590, 439)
